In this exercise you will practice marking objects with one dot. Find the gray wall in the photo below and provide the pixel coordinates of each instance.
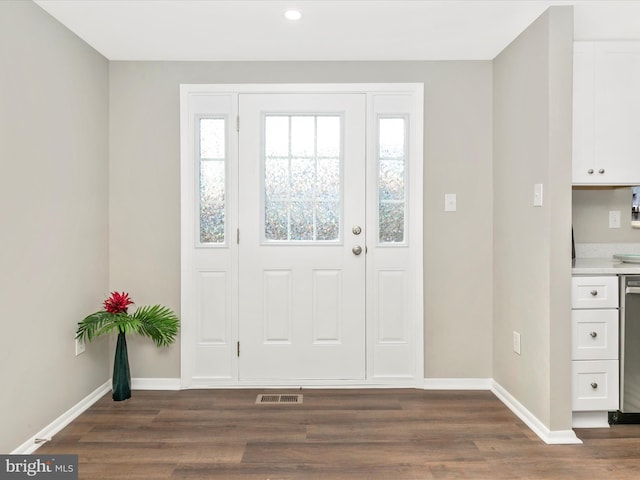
(53, 217)
(145, 197)
(591, 215)
(532, 268)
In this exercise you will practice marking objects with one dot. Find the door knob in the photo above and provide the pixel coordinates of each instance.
(357, 250)
(593, 334)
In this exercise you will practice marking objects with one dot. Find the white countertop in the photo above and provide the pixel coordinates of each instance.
(604, 266)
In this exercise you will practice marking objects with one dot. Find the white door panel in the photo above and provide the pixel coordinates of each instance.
(302, 289)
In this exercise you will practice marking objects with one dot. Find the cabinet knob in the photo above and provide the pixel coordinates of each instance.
(594, 293)
(594, 385)
(593, 334)
(590, 171)
(601, 170)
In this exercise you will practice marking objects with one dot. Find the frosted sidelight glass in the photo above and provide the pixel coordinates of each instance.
(392, 137)
(212, 163)
(212, 143)
(391, 180)
(302, 177)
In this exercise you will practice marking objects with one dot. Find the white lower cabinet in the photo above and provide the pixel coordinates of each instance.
(595, 385)
(595, 345)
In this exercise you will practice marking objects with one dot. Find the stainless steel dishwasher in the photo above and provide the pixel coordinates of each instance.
(630, 344)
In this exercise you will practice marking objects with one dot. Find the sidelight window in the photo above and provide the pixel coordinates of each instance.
(392, 179)
(212, 157)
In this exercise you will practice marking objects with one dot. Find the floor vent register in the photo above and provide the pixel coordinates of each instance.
(280, 399)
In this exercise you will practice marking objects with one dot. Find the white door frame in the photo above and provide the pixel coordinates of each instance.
(394, 348)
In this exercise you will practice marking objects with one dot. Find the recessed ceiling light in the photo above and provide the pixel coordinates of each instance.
(293, 15)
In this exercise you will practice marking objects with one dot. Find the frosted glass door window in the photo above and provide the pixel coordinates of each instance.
(391, 180)
(302, 178)
(212, 160)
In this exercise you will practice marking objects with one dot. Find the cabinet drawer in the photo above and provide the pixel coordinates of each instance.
(594, 292)
(595, 385)
(595, 334)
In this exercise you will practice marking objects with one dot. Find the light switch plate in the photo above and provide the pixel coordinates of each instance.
(537, 195)
(450, 202)
(614, 219)
(516, 342)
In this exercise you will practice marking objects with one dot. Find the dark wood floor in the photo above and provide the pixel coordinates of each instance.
(334, 434)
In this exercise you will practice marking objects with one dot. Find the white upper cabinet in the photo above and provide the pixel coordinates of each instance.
(606, 113)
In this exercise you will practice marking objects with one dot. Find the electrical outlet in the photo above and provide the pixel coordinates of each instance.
(516, 342)
(80, 346)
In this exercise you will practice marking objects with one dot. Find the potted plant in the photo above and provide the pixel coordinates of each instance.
(156, 322)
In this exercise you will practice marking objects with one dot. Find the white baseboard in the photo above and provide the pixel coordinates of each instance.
(546, 435)
(458, 383)
(63, 420)
(155, 384)
(552, 437)
(74, 412)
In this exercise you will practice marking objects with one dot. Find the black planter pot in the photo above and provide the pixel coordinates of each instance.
(121, 385)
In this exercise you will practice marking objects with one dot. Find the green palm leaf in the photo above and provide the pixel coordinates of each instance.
(156, 322)
(100, 323)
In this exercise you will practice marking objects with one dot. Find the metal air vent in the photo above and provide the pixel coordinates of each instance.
(271, 399)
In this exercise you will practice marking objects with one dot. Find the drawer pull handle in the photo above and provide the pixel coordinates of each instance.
(593, 334)
(594, 385)
(594, 293)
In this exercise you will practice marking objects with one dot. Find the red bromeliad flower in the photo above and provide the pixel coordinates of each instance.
(117, 302)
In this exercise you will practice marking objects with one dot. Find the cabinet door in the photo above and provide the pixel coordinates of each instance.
(617, 112)
(583, 82)
(606, 109)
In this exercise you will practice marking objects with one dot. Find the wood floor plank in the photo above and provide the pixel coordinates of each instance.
(360, 453)
(193, 434)
(334, 434)
(295, 472)
(414, 431)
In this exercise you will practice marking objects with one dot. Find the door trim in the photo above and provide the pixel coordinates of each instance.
(376, 95)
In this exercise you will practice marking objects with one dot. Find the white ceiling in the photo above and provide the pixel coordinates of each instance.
(234, 30)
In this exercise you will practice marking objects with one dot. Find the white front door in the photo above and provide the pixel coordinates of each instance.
(281, 186)
(302, 236)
